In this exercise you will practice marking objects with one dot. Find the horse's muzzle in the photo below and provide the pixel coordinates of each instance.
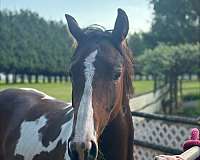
(83, 150)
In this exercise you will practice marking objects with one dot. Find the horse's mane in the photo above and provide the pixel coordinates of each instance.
(99, 32)
(129, 62)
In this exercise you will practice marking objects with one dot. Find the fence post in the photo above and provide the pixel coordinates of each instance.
(49, 79)
(36, 78)
(60, 78)
(7, 78)
(181, 88)
(29, 78)
(14, 78)
(66, 78)
(43, 79)
(155, 83)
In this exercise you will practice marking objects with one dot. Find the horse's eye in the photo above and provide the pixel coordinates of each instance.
(116, 75)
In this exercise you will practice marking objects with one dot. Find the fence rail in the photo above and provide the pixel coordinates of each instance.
(159, 134)
(168, 118)
(149, 102)
(190, 154)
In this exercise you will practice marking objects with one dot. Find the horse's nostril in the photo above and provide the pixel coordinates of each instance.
(72, 146)
(88, 150)
(72, 150)
(93, 150)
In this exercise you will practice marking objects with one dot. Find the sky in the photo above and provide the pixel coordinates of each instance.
(87, 12)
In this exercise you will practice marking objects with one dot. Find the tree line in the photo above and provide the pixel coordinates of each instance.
(172, 46)
(33, 46)
(175, 22)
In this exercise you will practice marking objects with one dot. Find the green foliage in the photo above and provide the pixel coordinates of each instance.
(136, 43)
(166, 59)
(176, 21)
(191, 97)
(191, 110)
(29, 44)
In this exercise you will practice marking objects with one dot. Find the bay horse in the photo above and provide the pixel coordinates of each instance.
(98, 123)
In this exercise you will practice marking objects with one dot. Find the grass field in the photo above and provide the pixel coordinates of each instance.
(63, 90)
(59, 90)
(191, 87)
(142, 86)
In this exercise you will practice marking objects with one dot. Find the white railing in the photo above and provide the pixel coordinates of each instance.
(149, 102)
(160, 134)
(191, 154)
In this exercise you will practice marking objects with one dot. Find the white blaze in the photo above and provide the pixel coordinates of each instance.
(85, 123)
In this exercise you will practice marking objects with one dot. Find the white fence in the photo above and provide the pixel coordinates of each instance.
(160, 134)
(150, 102)
(157, 134)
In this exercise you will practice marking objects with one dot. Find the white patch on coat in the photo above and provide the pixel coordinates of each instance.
(84, 128)
(29, 143)
(35, 90)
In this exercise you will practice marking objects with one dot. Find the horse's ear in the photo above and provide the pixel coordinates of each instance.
(121, 27)
(74, 28)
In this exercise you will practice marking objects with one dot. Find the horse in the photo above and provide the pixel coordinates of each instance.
(98, 123)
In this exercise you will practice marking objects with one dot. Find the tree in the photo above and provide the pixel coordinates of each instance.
(136, 43)
(171, 61)
(176, 21)
(31, 45)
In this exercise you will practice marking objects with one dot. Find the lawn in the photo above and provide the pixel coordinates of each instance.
(191, 87)
(142, 86)
(63, 90)
(59, 90)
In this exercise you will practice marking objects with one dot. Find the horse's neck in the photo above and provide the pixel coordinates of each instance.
(119, 133)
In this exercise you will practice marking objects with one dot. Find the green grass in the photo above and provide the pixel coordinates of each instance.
(191, 92)
(142, 86)
(191, 87)
(63, 90)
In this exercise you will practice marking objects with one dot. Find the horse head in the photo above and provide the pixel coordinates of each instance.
(100, 72)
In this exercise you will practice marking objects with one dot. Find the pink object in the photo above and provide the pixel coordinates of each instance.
(193, 141)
